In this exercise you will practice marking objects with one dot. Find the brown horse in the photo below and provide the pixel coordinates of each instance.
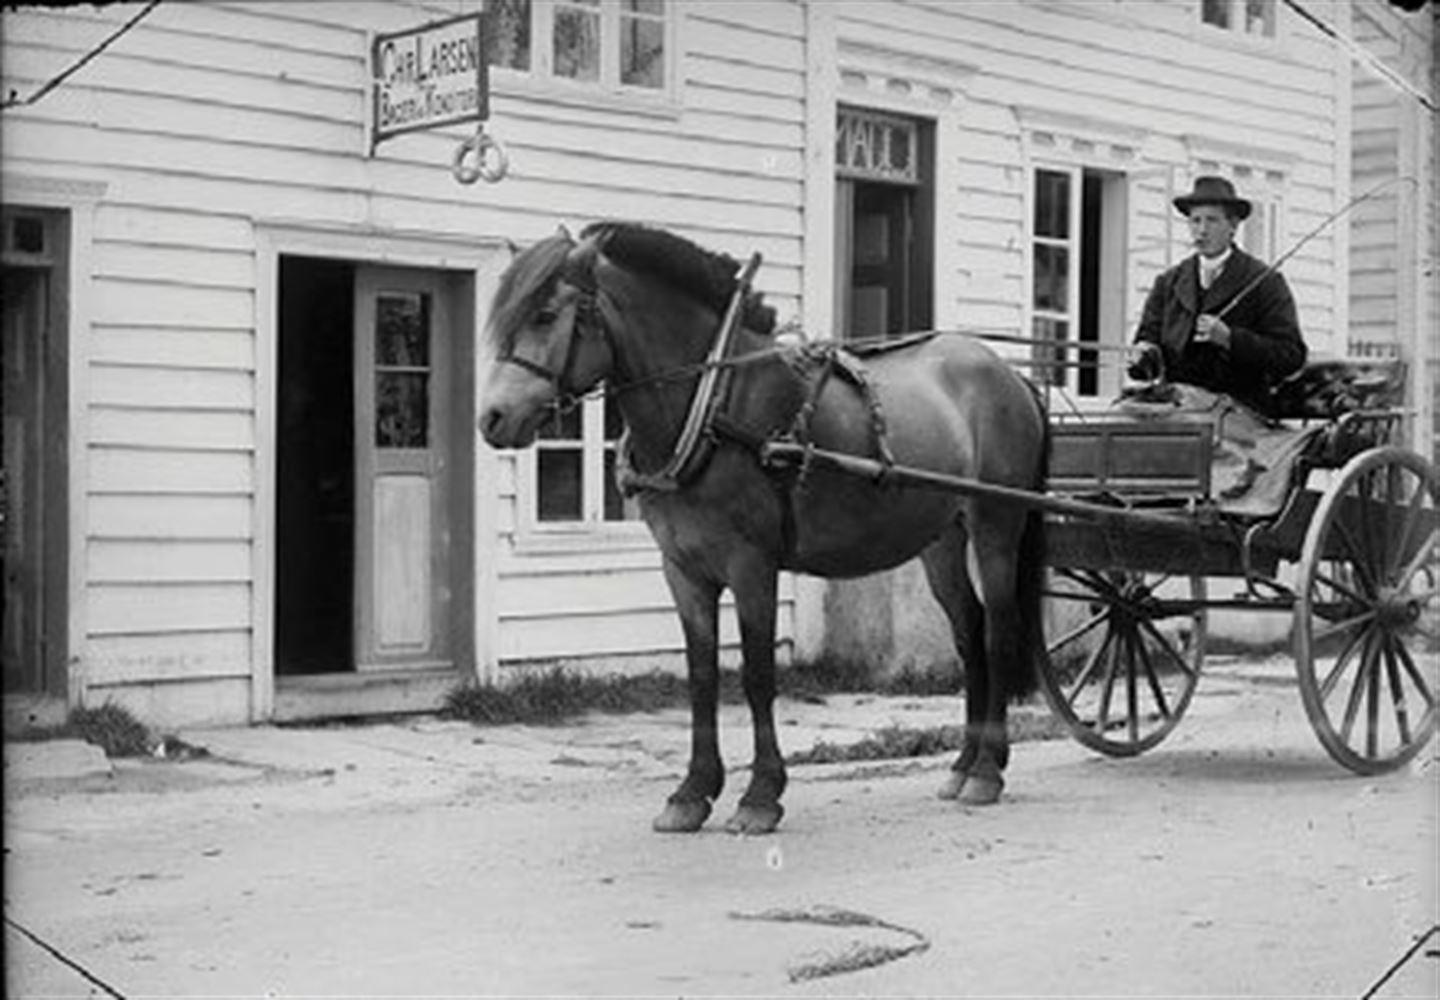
(639, 309)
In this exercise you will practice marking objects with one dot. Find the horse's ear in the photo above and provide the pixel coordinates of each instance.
(561, 230)
(579, 268)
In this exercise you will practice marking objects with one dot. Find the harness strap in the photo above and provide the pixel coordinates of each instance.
(688, 452)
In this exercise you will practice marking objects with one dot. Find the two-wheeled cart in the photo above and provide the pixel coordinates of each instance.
(1140, 552)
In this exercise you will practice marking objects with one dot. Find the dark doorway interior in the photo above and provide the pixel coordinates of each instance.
(315, 494)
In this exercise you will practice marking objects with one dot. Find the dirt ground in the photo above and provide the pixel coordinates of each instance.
(1234, 860)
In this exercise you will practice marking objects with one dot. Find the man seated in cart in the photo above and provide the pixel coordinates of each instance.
(1220, 319)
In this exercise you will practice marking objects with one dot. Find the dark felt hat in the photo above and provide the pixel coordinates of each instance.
(1213, 191)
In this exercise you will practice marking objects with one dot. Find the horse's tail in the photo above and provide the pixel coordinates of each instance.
(1030, 574)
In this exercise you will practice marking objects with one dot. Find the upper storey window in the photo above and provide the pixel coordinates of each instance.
(1244, 17)
(611, 44)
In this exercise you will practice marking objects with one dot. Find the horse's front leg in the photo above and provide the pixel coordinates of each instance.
(697, 602)
(760, 810)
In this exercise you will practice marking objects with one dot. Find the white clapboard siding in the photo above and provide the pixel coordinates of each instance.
(219, 430)
(185, 656)
(139, 609)
(174, 347)
(172, 516)
(148, 561)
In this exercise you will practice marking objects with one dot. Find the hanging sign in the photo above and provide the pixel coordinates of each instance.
(427, 77)
(876, 147)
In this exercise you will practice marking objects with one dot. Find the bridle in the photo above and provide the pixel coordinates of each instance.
(555, 360)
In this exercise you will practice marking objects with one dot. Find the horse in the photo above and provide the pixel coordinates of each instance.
(641, 310)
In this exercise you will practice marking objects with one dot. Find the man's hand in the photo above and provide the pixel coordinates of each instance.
(1212, 330)
(1147, 364)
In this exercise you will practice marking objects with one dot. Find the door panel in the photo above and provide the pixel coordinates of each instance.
(21, 509)
(404, 338)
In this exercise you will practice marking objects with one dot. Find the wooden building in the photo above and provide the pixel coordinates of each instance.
(242, 480)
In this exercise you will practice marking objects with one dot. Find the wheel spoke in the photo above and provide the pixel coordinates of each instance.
(1357, 688)
(1342, 589)
(1341, 626)
(1085, 674)
(1372, 701)
(1397, 694)
(1079, 631)
(1132, 700)
(1414, 514)
(1108, 689)
(1165, 644)
(1421, 684)
(1341, 661)
(1153, 680)
(1356, 560)
(1413, 567)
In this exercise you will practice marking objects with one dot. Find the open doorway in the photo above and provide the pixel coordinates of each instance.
(34, 477)
(315, 492)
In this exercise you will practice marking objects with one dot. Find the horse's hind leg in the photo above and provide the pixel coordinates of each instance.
(950, 582)
(698, 604)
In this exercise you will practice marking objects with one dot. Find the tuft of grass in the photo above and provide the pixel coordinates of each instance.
(556, 695)
(110, 727)
(903, 742)
(553, 696)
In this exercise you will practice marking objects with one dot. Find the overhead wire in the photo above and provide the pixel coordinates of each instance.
(15, 101)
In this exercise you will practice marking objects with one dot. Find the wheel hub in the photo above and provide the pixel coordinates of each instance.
(1394, 609)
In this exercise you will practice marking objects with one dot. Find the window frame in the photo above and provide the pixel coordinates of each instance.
(1074, 174)
(540, 81)
(592, 525)
(1237, 27)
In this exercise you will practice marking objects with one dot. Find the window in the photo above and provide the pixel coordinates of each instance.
(1076, 263)
(1244, 17)
(608, 44)
(575, 461)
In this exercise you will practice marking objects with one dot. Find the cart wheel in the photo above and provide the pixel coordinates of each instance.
(1367, 622)
(1123, 654)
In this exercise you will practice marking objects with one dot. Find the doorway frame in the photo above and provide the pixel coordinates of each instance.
(482, 260)
(79, 201)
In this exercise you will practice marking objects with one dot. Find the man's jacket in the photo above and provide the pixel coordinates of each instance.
(1265, 341)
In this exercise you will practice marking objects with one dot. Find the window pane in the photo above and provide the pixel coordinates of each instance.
(642, 52)
(1052, 204)
(402, 409)
(1216, 12)
(402, 331)
(507, 33)
(1055, 331)
(558, 472)
(618, 507)
(577, 44)
(655, 8)
(1052, 278)
(614, 422)
(1260, 17)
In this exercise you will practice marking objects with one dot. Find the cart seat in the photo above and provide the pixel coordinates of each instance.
(1328, 388)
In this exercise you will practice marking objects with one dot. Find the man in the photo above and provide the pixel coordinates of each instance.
(1217, 319)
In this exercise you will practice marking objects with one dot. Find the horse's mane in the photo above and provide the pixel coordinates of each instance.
(709, 278)
(527, 283)
(706, 276)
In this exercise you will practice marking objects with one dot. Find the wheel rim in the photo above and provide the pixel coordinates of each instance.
(1368, 618)
(1123, 655)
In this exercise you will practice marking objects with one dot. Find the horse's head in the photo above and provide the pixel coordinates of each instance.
(549, 340)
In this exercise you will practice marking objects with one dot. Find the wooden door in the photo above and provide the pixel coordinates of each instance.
(22, 478)
(403, 351)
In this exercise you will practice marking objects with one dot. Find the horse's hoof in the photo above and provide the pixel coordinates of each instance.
(682, 816)
(750, 821)
(981, 790)
(954, 784)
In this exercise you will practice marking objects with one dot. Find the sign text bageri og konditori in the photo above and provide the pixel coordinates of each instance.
(428, 76)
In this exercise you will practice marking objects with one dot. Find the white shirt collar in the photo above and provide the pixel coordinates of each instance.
(1211, 265)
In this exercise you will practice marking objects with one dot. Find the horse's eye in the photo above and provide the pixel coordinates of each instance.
(545, 317)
